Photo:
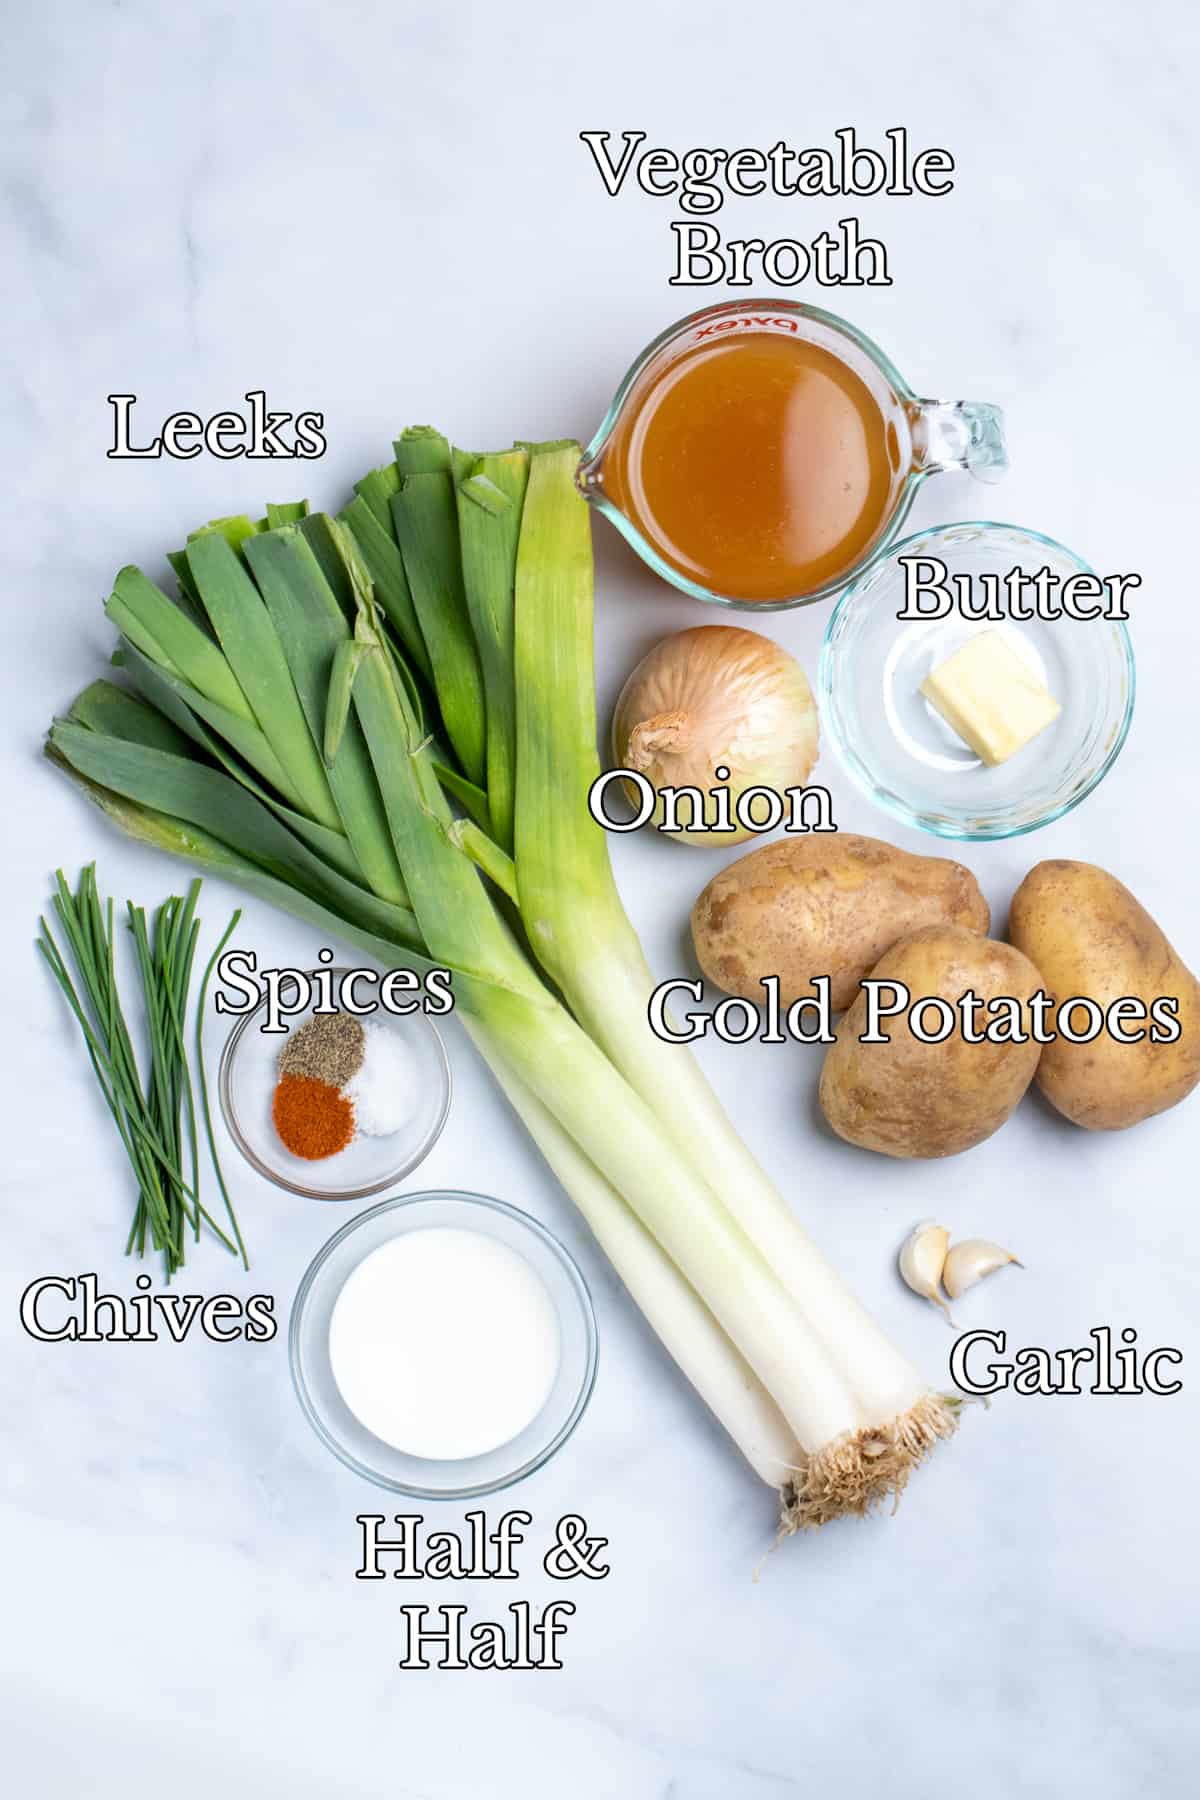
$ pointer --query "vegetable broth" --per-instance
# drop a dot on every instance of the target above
(760, 467)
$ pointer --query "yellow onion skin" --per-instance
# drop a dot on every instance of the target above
(716, 696)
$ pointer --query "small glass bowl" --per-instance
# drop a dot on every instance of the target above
(351, 1442)
(367, 1165)
(904, 756)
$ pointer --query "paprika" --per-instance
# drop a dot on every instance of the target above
(312, 1118)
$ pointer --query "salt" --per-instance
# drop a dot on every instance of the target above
(382, 1092)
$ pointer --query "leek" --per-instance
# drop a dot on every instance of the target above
(175, 642)
(451, 829)
(586, 943)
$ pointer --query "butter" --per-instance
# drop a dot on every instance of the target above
(990, 697)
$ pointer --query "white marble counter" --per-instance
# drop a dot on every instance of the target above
(383, 212)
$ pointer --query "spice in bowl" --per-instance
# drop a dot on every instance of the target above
(339, 1076)
(381, 1088)
(328, 1047)
(313, 1119)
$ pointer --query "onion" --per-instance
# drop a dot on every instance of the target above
(716, 698)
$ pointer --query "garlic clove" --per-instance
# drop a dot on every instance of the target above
(922, 1258)
(970, 1261)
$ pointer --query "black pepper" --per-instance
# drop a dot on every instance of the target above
(328, 1047)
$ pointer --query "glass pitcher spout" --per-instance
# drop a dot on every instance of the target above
(587, 475)
(958, 434)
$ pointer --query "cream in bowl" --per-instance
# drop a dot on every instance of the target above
(443, 1345)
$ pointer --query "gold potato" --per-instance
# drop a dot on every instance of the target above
(1090, 937)
(911, 1099)
(823, 906)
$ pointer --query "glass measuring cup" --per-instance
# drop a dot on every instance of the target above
(919, 437)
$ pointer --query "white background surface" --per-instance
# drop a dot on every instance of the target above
(383, 212)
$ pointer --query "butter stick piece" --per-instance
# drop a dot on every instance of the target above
(991, 697)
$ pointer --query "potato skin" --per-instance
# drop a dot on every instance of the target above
(1088, 935)
(823, 906)
(909, 1099)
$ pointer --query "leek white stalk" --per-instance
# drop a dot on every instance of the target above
(681, 1322)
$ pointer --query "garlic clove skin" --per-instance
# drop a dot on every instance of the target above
(921, 1261)
(970, 1261)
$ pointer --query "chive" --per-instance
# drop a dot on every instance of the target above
(176, 926)
(205, 1108)
(101, 1062)
(147, 1113)
(157, 1095)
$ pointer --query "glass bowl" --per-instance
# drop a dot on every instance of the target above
(367, 1165)
(369, 1456)
(904, 756)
